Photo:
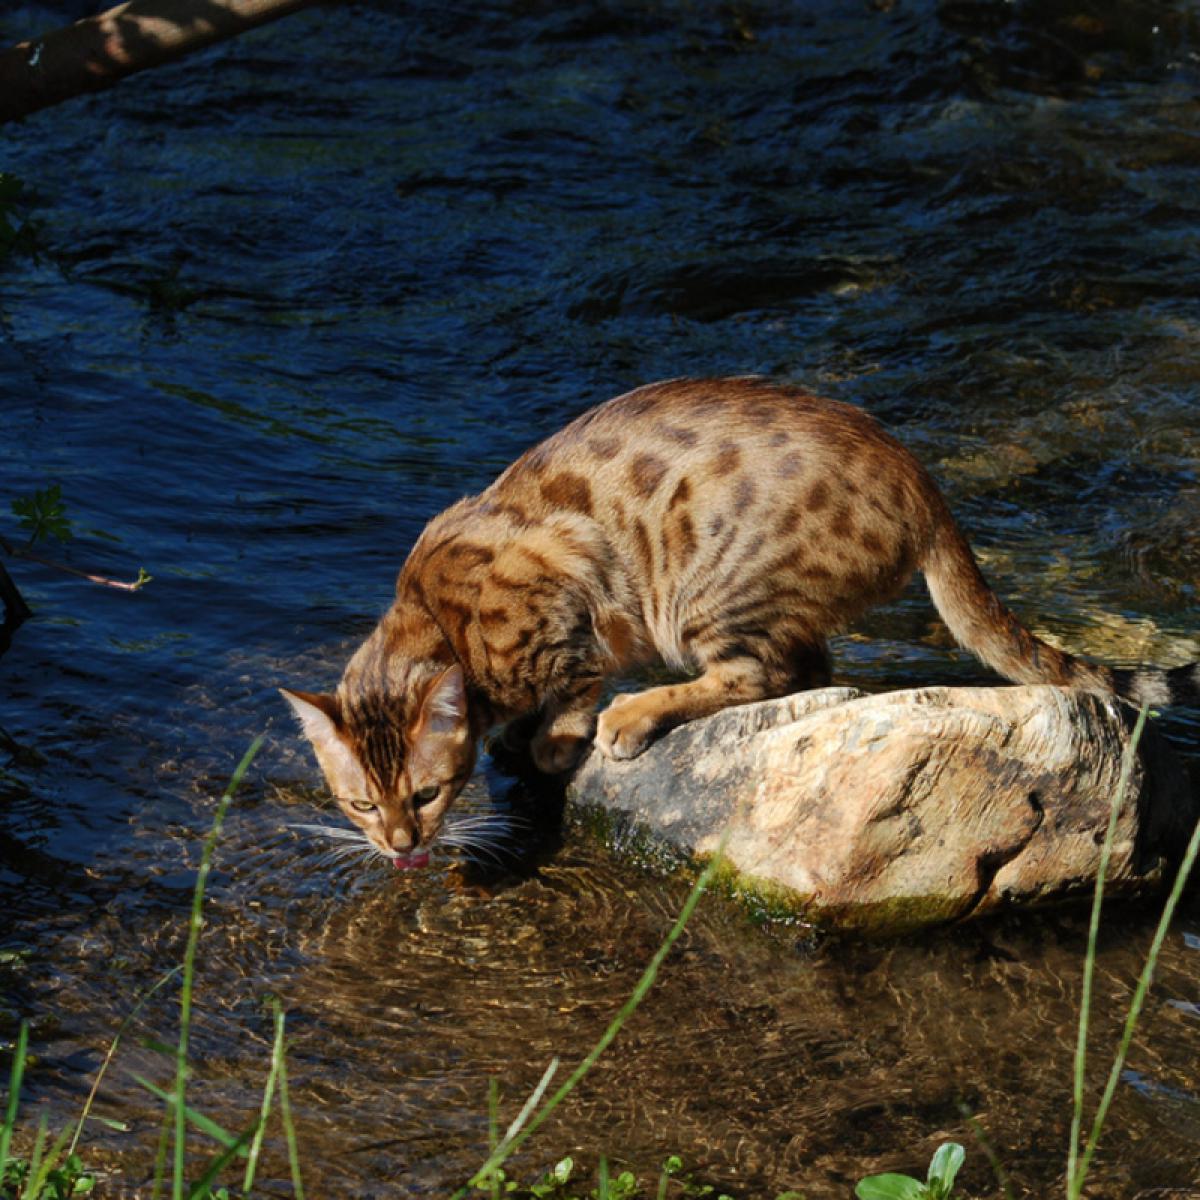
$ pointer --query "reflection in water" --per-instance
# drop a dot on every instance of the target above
(295, 323)
(800, 1065)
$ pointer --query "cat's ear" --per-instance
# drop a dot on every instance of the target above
(442, 743)
(320, 716)
(444, 708)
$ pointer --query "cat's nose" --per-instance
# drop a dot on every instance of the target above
(403, 840)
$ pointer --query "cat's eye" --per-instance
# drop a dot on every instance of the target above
(426, 794)
(362, 806)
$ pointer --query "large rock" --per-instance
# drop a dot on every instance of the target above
(888, 812)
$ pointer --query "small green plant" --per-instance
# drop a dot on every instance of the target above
(58, 1183)
(938, 1185)
(43, 513)
(48, 1173)
(562, 1182)
(555, 1180)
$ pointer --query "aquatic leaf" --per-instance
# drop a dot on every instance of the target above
(891, 1187)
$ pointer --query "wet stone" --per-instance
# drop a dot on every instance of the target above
(890, 812)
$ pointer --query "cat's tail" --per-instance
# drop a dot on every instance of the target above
(981, 623)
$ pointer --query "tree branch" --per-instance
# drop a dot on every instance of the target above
(96, 53)
(132, 585)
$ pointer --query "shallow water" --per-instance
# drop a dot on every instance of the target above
(306, 290)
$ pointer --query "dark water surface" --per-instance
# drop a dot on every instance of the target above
(305, 290)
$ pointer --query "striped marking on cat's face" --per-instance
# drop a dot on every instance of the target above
(393, 774)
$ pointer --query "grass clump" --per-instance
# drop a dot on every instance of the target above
(1079, 1157)
(563, 1182)
(54, 1171)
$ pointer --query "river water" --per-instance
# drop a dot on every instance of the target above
(301, 292)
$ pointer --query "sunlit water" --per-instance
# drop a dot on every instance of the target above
(304, 291)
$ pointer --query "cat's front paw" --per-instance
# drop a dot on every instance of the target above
(626, 727)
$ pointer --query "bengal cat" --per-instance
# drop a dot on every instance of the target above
(725, 527)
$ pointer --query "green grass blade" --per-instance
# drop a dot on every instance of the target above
(264, 1111)
(200, 1190)
(669, 1168)
(534, 1099)
(189, 966)
(14, 1093)
(205, 1124)
(160, 1157)
(112, 1049)
(112, 1123)
(41, 1173)
(35, 1159)
(289, 1130)
(508, 1146)
(1139, 997)
(1074, 1180)
(494, 1131)
(989, 1152)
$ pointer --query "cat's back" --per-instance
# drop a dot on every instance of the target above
(697, 499)
(721, 446)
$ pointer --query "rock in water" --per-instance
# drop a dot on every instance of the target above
(889, 812)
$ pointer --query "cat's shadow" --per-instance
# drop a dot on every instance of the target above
(533, 805)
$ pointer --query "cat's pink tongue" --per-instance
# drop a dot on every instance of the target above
(411, 862)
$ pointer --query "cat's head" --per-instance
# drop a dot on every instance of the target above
(394, 765)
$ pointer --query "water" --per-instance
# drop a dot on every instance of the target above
(305, 291)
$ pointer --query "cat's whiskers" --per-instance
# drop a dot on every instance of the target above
(334, 832)
(493, 836)
(347, 843)
(490, 835)
(476, 848)
(491, 822)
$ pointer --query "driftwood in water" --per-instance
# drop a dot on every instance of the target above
(95, 53)
(889, 812)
